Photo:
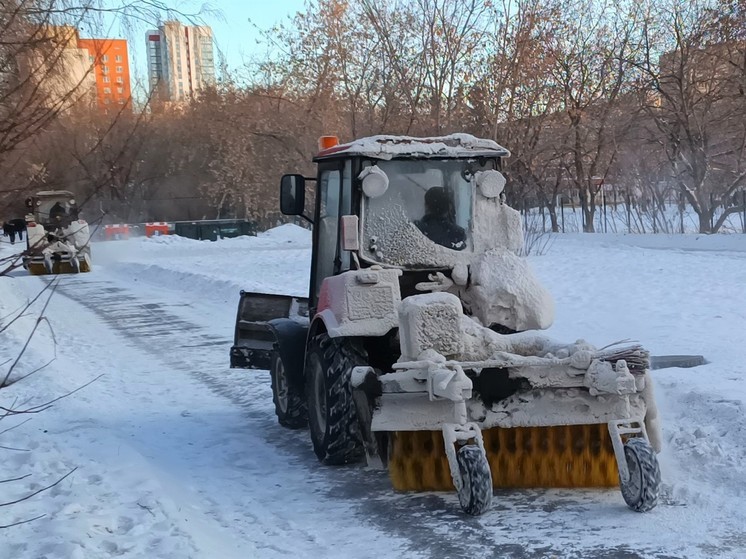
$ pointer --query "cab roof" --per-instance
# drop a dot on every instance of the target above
(54, 194)
(452, 146)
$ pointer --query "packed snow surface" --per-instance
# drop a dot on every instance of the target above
(173, 455)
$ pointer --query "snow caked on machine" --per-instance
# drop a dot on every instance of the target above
(58, 240)
(417, 347)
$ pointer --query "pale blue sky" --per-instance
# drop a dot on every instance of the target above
(236, 31)
(237, 35)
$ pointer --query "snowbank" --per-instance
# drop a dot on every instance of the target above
(289, 233)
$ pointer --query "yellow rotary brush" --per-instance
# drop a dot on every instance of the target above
(556, 456)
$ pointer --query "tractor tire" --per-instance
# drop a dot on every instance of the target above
(85, 265)
(332, 416)
(641, 490)
(475, 495)
(290, 403)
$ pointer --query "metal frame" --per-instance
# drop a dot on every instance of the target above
(460, 433)
(624, 427)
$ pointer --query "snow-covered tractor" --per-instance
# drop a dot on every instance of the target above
(58, 240)
(417, 347)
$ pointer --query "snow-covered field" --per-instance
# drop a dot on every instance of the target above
(617, 219)
(177, 456)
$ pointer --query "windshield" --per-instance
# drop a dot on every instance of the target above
(48, 209)
(424, 217)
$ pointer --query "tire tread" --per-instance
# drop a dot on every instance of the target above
(651, 476)
(475, 495)
(342, 443)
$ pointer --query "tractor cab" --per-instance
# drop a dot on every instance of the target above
(421, 215)
(52, 208)
(419, 205)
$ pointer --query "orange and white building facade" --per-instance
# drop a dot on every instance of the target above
(111, 69)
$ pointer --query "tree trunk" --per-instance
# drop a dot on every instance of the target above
(588, 208)
(553, 217)
(705, 220)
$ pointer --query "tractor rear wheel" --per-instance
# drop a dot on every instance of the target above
(290, 405)
(85, 266)
(475, 495)
(641, 489)
(332, 416)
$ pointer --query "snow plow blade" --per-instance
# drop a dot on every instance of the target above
(254, 337)
(58, 267)
(559, 456)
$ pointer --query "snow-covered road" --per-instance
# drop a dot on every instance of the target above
(178, 456)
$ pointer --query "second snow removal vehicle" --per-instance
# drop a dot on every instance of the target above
(58, 241)
(417, 347)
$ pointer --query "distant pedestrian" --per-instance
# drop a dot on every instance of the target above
(19, 225)
(9, 231)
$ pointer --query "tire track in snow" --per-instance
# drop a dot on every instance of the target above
(143, 324)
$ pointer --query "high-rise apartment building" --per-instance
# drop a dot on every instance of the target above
(111, 70)
(181, 60)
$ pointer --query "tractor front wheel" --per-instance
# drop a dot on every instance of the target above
(475, 495)
(640, 490)
(332, 416)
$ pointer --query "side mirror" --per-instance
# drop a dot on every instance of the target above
(491, 183)
(292, 194)
(29, 202)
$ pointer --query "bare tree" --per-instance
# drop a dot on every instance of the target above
(573, 87)
(591, 51)
(510, 101)
(44, 77)
(697, 101)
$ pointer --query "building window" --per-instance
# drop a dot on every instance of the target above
(119, 58)
(105, 69)
(107, 101)
(120, 90)
(106, 79)
(105, 58)
(107, 90)
(120, 79)
(120, 69)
